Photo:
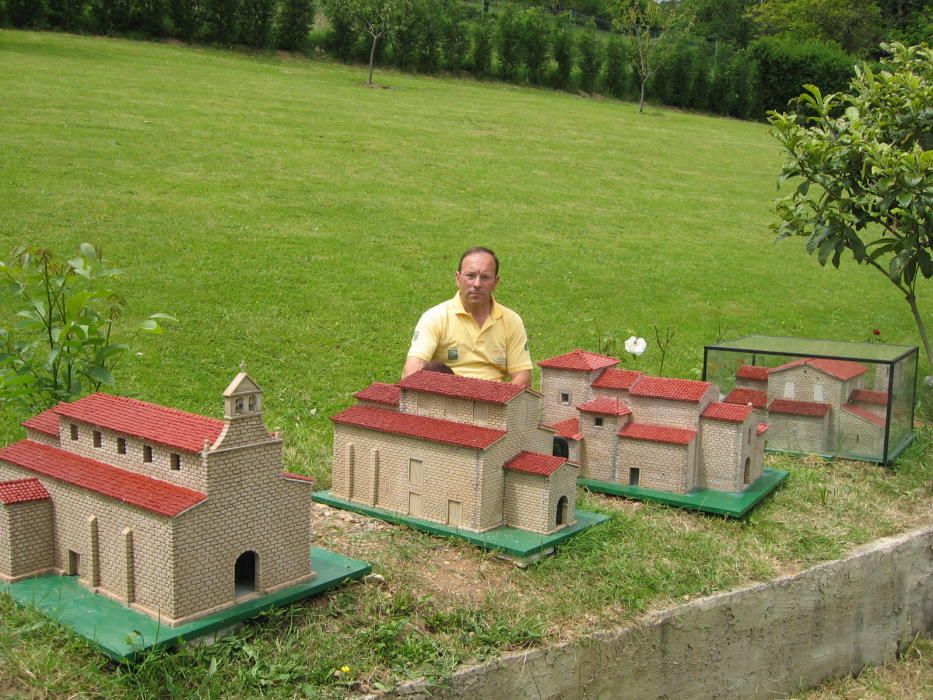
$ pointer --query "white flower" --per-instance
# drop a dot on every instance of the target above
(636, 346)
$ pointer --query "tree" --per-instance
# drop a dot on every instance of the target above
(63, 342)
(294, 23)
(649, 27)
(562, 48)
(864, 172)
(378, 18)
(855, 25)
(589, 49)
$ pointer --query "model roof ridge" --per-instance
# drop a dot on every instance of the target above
(608, 405)
(863, 414)
(380, 392)
(456, 386)
(840, 369)
(617, 378)
(535, 463)
(740, 395)
(569, 428)
(879, 398)
(729, 412)
(416, 426)
(753, 372)
(670, 388)
(657, 433)
(579, 360)
(167, 426)
(799, 408)
(132, 488)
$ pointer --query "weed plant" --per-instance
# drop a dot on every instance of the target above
(290, 218)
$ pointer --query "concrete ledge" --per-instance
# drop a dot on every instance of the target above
(762, 641)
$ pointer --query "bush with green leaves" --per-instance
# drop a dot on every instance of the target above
(682, 76)
(222, 19)
(616, 75)
(256, 18)
(589, 57)
(562, 46)
(64, 340)
(534, 37)
(482, 41)
(294, 22)
(455, 39)
(508, 43)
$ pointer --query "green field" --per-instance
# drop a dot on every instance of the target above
(294, 219)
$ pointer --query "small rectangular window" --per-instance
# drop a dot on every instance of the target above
(565, 398)
(121, 446)
(74, 432)
(176, 461)
(97, 438)
(598, 421)
(415, 471)
(147, 453)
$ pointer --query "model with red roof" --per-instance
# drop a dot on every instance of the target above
(657, 433)
(175, 514)
(457, 451)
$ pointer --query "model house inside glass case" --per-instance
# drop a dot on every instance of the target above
(831, 398)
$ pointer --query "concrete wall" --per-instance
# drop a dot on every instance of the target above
(764, 641)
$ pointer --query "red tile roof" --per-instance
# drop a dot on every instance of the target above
(879, 398)
(863, 414)
(729, 412)
(459, 387)
(569, 429)
(658, 433)
(298, 477)
(580, 361)
(129, 487)
(799, 408)
(758, 374)
(758, 399)
(535, 463)
(762, 428)
(420, 427)
(380, 392)
(148, 421)
(840, 369)
(605, 405)
(615, 378)
(668, 388)
(46, 422)
(22, 491)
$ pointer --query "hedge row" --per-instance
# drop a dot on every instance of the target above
(522, 45)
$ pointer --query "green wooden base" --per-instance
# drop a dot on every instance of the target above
(522, 545)
(735, 505)
(122, 633)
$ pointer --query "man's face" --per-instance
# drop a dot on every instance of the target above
(477, 279)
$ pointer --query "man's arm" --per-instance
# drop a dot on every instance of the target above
(412, 365)
(522, 378)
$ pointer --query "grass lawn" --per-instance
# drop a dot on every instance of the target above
(296, 220)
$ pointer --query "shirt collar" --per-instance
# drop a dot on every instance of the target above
(495, 312)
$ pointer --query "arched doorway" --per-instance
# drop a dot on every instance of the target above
(748, 468)
(561, 510)
(244, 574)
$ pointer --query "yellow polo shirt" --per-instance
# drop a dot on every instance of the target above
(450, 334)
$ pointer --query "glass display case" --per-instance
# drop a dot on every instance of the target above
(824, 397)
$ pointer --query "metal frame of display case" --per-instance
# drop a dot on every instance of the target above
(752, 345)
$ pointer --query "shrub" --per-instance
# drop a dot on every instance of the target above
(186, 17)
(590, 62)
(562, 47)
(66, 14)
(785, 65)
(455, 40)
(27, 13)
(256, 18)
(294, 22)
(222, 20)
(534, 35)
(482, 39)
(508, 43)
(618, 60)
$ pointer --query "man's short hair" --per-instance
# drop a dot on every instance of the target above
(478, 249)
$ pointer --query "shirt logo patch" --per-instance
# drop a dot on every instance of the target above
(452, 354)
(499, 360)
(415, 336)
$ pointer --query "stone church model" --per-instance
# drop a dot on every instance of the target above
(175, 514)
(658, 433)
(817, 405)
(459, 451)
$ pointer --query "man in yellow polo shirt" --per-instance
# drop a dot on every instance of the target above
(473, 334)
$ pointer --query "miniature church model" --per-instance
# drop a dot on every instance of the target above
(817, 405)
(659, 433)
(458, 451)
(176, 515)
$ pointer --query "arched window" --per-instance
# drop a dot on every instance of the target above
(561, 511)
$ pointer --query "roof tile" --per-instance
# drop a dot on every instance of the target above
(758, 399)
(580, 361)
(605, 405)
(535, 463)
(840, 369)
(148, 421)
(569, 429)
(799, 408)
(879, 398)
(729, 412)
(459, 387)
(753, 372)
(380, 392)
(615, 378)
(22, 491)
(658, 433)
(420, 427)
(669, 388)
(46, 422)
(863, 414)
(129, 487)
(762, 428)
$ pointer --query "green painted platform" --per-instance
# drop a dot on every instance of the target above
(735, 505)
(520, 544)
(122, 633)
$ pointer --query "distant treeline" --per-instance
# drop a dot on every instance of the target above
(516, 43)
